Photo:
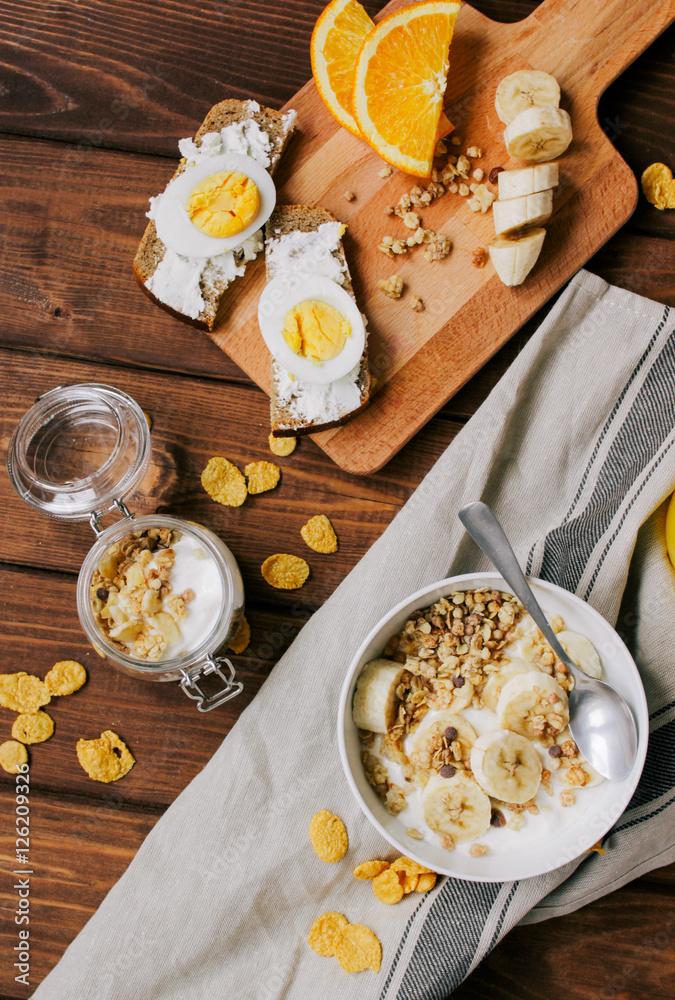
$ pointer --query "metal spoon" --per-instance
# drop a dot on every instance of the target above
(601, 722)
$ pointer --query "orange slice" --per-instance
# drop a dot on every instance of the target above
(399, 84)
(336, 40)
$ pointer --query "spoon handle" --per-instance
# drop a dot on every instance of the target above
(489, 535)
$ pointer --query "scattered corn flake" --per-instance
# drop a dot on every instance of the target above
(242, 636)
(357, 949)
(13, 756)
(262, 476)
(658, 186)
(329, 836)
(284, 571)
(369, 869)
(224, 483)
(9, 691)
(324, 932)
(148, 420)
(65, 677)
(32, 693)
(99, 760)
(33, 727)
(426, 882)
(597, 847)
(282, 446)
(319, 534)
(408, 865)
(387, 886)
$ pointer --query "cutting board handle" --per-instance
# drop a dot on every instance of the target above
(598, 39)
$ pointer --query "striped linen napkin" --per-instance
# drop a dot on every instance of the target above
(574, 451)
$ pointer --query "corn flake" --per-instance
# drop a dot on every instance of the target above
(369, 869)
(319, 534)
(329, 836)
(9, 691)
(224, 483)
(13, 756)
(35, 727)
(99, 760)
(65, 677)
(283, 446)
(409, 866)
(262, 476)
(324, 933)
(242, 637)
(658, 185)
(426, 882)
(32, 693)
(357, 949)
(387, 886)
(285, 572)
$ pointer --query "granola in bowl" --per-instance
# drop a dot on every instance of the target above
(463, 723)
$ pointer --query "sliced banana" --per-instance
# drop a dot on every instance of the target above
(524, 89)
(375, 702)
(496, 682)
(582, 651)
(527, 180)
(517, 213)
(431, 729)
(538, 134)
(506, 766)
(456, 807)
(513, 257)
(533, 704)
(461, 696)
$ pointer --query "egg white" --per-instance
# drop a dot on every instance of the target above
(174, 226)
(286, 291)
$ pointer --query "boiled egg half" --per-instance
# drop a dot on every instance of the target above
(312, 327)
(215, 205)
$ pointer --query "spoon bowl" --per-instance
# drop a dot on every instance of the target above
(601, 721)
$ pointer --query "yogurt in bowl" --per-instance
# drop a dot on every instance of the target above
(453, 730)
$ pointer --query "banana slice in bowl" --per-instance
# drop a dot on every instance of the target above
(456, 807)
(582, 651)
(496, 682)
(506, 766)
(524, 89)
(430, 736)
(533, 705)
(375, 701)
(449, 695)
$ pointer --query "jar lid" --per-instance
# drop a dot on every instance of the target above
(78, 450)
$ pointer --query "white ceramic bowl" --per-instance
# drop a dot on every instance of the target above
(597, 808)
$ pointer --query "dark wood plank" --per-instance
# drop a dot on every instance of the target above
(170, 739)
(620, 947)
(192, 421)
(79, 849)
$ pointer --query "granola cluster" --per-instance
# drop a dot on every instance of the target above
(131, 594)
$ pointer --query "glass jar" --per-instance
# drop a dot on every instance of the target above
(78, 454)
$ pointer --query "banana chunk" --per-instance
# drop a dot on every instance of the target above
(582, 651)
(448, 696)
(513, 257)
(518, 213)
(496, 682)
(538, 134)
(533, 705)
(524, 89)
(527, 180)
(436, 734)
(506, 766)
(375, 701)
(456, 807)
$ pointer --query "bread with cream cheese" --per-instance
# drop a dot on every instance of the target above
(298, 407)
(192, 288)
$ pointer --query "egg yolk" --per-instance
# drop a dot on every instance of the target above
(223, 204)
(316, 330)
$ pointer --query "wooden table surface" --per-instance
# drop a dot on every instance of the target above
(93, 97)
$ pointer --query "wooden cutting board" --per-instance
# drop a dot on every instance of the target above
(421, 359)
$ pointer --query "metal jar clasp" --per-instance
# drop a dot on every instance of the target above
(95, 517)
(224, 670)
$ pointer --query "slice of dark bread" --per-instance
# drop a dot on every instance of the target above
(279, 127)
(284, 416)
